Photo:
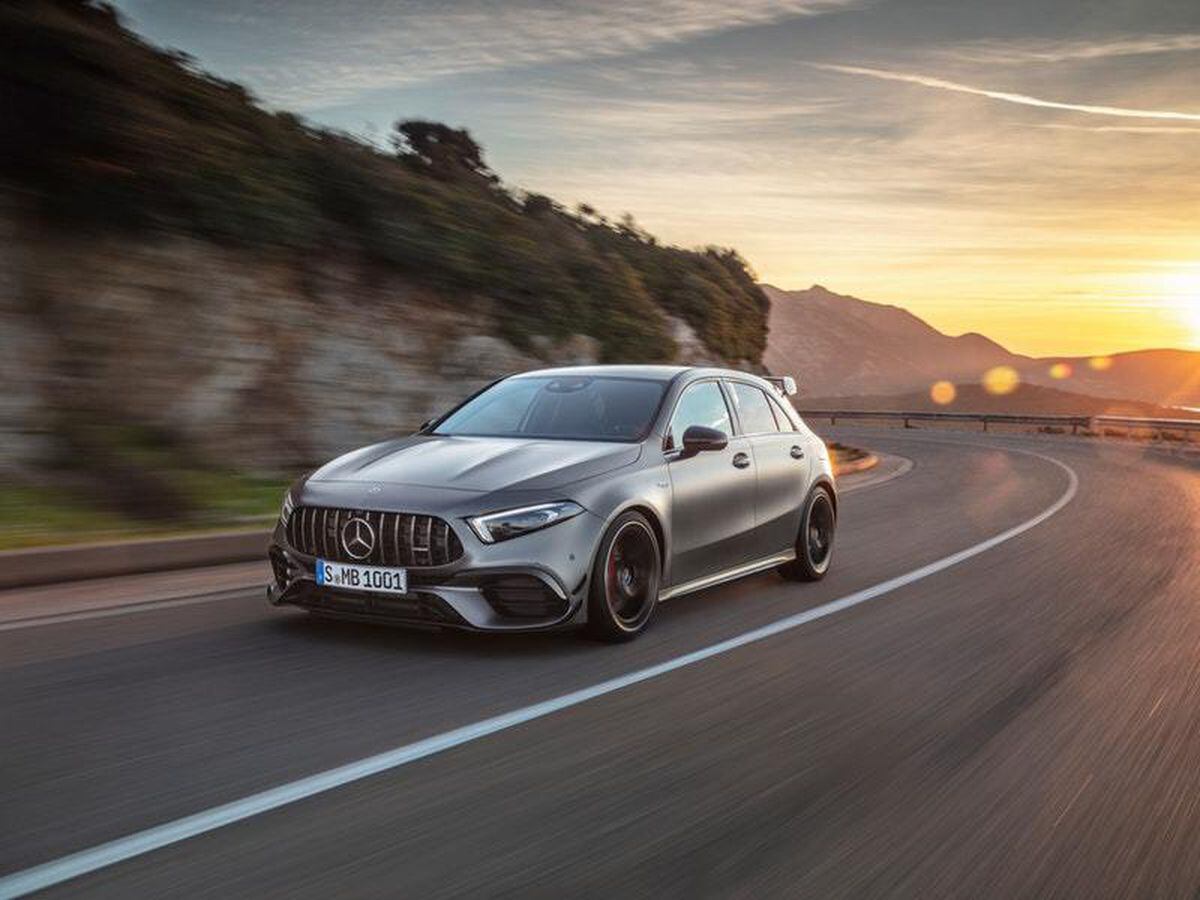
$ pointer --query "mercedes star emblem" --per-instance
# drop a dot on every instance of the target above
(358, 538)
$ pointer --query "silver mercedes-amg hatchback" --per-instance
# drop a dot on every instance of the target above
(574, 496)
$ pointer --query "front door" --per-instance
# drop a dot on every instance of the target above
(712, 493)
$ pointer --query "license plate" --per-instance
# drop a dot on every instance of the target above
(350, 577)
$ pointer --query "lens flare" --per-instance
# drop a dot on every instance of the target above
(1001, 380)
(1061, 371)
(1101, 363)
(943, 393)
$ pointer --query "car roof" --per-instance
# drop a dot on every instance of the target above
(656, 373)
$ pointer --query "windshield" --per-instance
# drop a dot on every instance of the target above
(570, 407)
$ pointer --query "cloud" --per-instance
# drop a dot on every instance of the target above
(1007, 97)
(708, 109)
(1120, 129)
(1053, 51)
(335, 52)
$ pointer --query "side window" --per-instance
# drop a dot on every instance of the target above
(786, 422)
(700, 404)
(753, 409)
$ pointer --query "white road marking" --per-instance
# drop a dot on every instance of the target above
(73, 865)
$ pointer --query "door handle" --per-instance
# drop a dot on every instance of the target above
(741, 461)
(797, 453)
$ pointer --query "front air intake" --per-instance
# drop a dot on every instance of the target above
(523, 597)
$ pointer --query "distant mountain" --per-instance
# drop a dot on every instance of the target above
(841, 346)
(1029, 399)
(1169, 377)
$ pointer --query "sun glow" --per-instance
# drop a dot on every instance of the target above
(1182, 289)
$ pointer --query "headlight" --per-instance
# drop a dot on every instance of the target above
(288, 505)
(500, 526)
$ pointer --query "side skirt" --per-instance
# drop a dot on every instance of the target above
(716, 578)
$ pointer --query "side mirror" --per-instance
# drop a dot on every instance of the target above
(699, 438)
(784, 384)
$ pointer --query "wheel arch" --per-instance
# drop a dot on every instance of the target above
(826, 482)
(660, 534)
(654, 517)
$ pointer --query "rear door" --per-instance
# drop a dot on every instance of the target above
(712, 493)
(781, 467)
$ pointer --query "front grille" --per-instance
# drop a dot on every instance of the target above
(416, 608)
(401, 539)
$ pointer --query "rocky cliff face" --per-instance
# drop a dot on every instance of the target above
(243, 361)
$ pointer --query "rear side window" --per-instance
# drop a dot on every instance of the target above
(753, 409)
(700, 404)
(786, 422)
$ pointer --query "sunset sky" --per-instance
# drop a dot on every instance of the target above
(1029, 169)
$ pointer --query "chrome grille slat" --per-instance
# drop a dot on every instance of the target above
(401, 539)
(443, 550)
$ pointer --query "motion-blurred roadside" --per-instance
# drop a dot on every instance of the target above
(201, 297)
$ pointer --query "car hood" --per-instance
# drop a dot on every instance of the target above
(478, 463)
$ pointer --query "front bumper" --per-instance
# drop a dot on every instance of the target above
(535, 582)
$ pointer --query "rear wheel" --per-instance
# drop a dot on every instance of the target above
(814, 543)
(625, 579)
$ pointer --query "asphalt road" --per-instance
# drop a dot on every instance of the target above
(1023, 723)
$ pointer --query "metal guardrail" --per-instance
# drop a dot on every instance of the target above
(1075, 423)
(1152, 424)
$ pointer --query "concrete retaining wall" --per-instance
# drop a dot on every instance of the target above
(46, 565)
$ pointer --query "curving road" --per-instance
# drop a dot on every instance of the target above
(1019, 720)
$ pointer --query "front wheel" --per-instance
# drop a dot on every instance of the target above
(814, 543)
(625, 579)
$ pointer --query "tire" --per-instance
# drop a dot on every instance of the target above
(626, 573)
(814, 543)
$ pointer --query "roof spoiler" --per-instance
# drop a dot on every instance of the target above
(785, 384)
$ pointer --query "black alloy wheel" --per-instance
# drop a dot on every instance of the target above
(625, 579)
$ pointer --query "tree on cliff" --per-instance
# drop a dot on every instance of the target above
(443, 152)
